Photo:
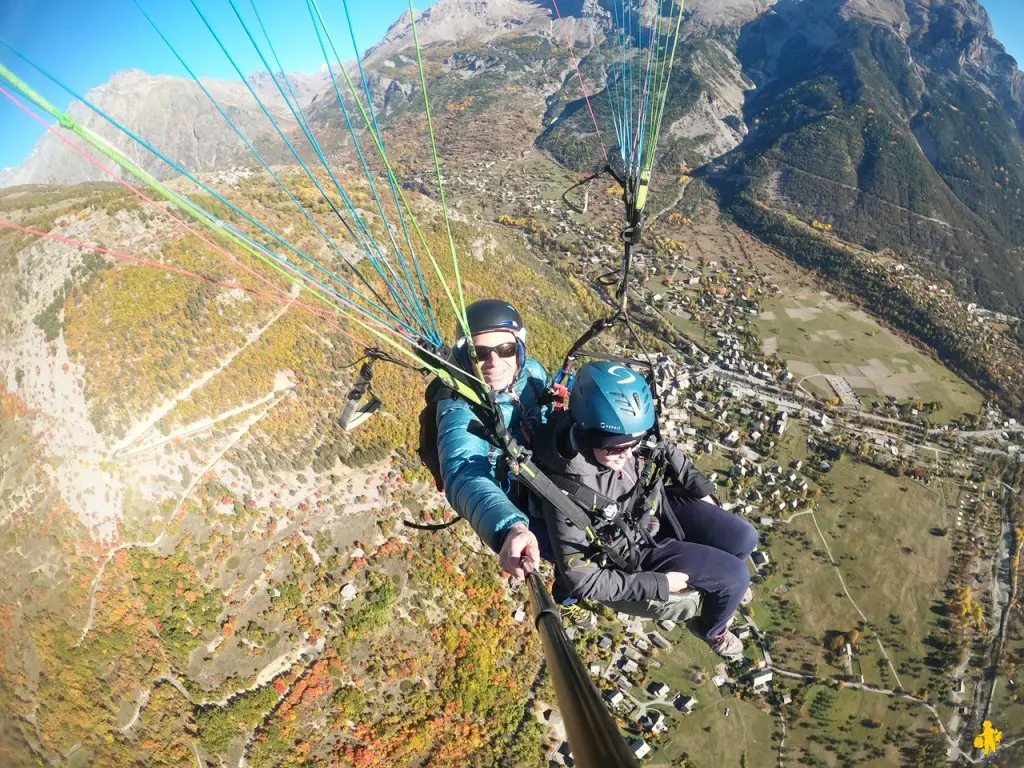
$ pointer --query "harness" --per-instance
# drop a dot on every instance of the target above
(616, 528)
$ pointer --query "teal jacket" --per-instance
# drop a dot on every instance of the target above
(469, 462)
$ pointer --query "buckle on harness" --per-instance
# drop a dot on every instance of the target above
(631, 234)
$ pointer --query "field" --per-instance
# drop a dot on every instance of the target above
(820, 335)
(707, 735)
(847, 722)
(878, 528)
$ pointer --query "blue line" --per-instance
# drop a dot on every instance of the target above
(629, 103)
(298, 158)
(205, 188)
(362, 226)
(620, 37)
(402, 296)
(380, 135)
(414, 304)
(248, 144)
(431, 323)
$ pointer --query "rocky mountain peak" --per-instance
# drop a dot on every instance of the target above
(459, 20)
(714, 14)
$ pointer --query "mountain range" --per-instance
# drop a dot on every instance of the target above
(898, 122)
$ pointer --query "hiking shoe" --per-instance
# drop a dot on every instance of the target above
(578, 615)
(727, 645)
(748, 597)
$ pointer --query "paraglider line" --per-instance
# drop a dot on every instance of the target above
(579, 76)
(431, 324)
(437, 170)
(129, 258)
(379, 143)
(106, 148)
(312, 140)
(248, 144)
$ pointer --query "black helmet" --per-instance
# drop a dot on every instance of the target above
(491, 315)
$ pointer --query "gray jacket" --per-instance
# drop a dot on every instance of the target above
(554, 453)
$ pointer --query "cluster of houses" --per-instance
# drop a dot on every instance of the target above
(647, 707)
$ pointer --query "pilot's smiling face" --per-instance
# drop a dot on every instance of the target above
(499, 372)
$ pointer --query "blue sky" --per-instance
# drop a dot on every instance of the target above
(84, 42)
(1008, 19)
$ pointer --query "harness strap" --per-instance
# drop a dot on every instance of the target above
(640, 505)
(535, 481)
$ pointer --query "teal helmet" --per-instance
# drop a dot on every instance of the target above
(611, 404)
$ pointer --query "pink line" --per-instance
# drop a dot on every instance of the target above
(579, 76)
(116, 177)
(319, 311)
(120, 255)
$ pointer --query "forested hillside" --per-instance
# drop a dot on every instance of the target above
(889, 135)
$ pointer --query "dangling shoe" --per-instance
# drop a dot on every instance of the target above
(576, 614)
(727, 645)
(748, 597)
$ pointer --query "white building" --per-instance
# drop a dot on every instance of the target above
(640, 748)
(659, 640)
(761, 680)
(685, 704)
(659, 689)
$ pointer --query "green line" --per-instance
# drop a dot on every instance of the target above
(379, 143)
(437, 167)
(668, 77)
(69, 123)
(656, 81)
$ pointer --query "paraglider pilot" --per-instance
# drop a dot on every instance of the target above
(470, 463)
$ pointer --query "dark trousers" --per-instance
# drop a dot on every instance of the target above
(713, 554)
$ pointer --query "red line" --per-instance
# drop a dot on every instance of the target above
(283, 294)
(120, 255)
(117, 177)
(175, 270)
(579, 75)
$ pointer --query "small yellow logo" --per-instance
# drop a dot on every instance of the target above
(988, 739)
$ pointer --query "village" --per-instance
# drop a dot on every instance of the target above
(732, 404)
(737, 411)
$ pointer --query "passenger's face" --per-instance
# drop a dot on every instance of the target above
(499, 372)
(614, 458)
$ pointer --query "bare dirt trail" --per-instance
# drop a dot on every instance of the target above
(853, 602)
(154, 416)
(197, 427)
(159, 539)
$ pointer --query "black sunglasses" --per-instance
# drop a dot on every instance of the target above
(508, 349)
(617, 450)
